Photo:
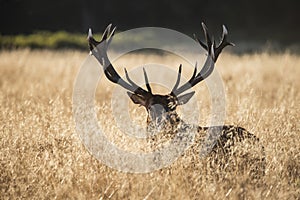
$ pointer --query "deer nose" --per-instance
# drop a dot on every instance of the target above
(156, 111)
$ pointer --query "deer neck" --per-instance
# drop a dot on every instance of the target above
(169, 122)
(173, 124)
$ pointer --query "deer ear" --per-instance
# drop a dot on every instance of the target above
(183, 99)
(137, 99)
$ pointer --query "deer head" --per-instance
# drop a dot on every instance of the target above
(160, 108)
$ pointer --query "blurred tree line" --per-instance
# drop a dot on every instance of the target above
(255, 20)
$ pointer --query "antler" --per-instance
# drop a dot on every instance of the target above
(223, 42)
(99, 50)
(213, 54)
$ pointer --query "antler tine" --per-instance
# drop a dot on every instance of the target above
(127, 77)
(207, 37)
(106, 33)
(175, 88)
(92, 42)
(147, 81)
(99, 50)
(178, 78)
(137, 89)
(112, 33)
(223, 42)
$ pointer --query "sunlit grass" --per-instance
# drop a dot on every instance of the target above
(42, 157)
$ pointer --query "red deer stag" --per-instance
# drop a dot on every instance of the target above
(162, 108)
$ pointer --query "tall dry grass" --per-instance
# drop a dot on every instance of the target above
(43, 158)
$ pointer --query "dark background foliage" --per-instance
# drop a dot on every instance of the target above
(256, 20)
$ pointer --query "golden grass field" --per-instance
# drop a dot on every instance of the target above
(42, 157)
